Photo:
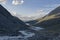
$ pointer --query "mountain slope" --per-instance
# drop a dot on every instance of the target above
(50, 20)
(9, 23)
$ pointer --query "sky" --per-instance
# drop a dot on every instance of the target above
(30, 7)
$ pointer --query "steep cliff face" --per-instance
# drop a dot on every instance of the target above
(9, 23)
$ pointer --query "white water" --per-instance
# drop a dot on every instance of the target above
(34, 28)
(10, 37)
(37, 28)
(25, 33)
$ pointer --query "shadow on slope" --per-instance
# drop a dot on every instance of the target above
(10, 24)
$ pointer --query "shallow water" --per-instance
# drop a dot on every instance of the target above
(20, 37)
(37, 28)
(25, 34)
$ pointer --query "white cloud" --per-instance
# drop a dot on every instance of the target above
(46, 10)
(40, 12)
(3, 1)
(17, 2)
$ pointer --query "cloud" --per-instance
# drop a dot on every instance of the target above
(41, 12)
(17, 2)
(3, 1)
(37, 14)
